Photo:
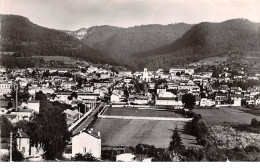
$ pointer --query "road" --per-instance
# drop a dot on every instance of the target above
(88, 119)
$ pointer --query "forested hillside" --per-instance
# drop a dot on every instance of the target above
(25, 38)
(201, 41)
(151, 46)
(123, 42)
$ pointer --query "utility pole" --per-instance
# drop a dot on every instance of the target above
(0, 144)
(79, 112)
(11, 146)
(16, 95)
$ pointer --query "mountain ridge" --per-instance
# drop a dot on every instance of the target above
(204, 40)
(152, 46)
(121, 43)
(24, 38)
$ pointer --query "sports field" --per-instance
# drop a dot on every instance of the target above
(226, 114)
(124, 132)
(124, 111)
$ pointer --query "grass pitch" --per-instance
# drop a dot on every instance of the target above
(123, 111)
(123, 132)
(226, 114)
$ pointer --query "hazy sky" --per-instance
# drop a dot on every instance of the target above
(75, 14)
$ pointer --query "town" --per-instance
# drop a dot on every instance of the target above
(96, 113)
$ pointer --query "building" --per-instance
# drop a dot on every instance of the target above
(206, 102)
(23, 143)
(146, 77)
(34, 105)
(125, 157)
(138, 99)
(236, 99)
(125, 73)
(87, 142)
(5, 88)
(169, 101)
(71, 116)
(105, 76)
(185, 71)
(20, 114)
(221, 98)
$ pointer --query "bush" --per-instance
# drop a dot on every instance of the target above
(254, 122)
(193, 154)
(202, 141)
(252, 148)
(202, 129)
(238, 149)
(86, 157)
(190, 114)
(17, 156)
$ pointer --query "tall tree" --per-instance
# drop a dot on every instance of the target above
(17, 156)
(189, 101)
(22, 95)
(74, 95)
(50, 131)
(176, 144)
(41, 97)
(6, 126)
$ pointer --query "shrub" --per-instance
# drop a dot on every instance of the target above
(86, 157)
(190, 114)
(202, 141)
(193, 154)
(238, 149)
(254, 122)
(252, 148)
(202, 129)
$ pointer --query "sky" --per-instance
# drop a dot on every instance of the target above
(76, 14)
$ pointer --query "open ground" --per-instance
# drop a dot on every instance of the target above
(130, 132)
(122, 132)
(226, 115)
(122, 111)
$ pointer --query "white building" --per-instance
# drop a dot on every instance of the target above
(33, 90)
(236, 99)
(92, 69)
(116, 96)
(23, 143)
(125, 73)
(34, 105)
(87, 142)
(146, 76)
(125, 157)
(5, 88)
(161, 101)
(186, 71)
(206, 102)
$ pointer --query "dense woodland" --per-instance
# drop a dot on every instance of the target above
(21, 36)
(123, 42)
(151, 46)
(201, 41)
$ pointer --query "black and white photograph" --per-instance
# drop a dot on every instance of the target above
(108, 81)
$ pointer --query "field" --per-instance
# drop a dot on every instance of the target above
(55, 58)
(121, 111)
(226, 114)
(250, 111)
(123, 132)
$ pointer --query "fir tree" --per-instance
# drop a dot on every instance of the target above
(176, 144)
